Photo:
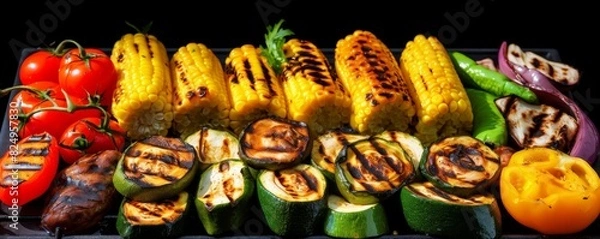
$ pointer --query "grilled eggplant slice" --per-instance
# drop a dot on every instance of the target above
(538, 125)
(371, 170)
(155, 168)
(275, 143)
(326, 148)
(431, 211)
(224, 194)
(82, 194)
(214, 146)
(461, 165)
(161, 219)
(293, 200)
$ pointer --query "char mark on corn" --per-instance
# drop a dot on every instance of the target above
(313, 92)
(142, 102)
(200, 93)
(254, 89)
(369, 71)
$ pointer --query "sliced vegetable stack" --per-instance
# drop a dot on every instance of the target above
(155, 168)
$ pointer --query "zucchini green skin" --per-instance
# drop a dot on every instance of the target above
(454, 189)
(168, 230)
(477, 76)
(272, 165)
(140, 193)
(291, 219)
(224, 218)
(368, 223)
(489, 124)
(364, 197)
(438, 218)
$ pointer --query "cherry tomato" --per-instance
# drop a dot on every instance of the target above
(27, 100)
(41, 65)
(87, 136)
(91, 74)
(53, 121)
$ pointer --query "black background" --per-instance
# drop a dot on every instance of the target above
(225, 24)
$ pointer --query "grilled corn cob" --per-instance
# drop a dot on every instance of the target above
(313, 93)
(370, 72)
(200, 96)
(443, 108)
(254, 89)
(142, 102)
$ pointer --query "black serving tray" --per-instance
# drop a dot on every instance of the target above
(255, 226)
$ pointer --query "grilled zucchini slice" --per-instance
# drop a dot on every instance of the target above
(293, 200)
(348, 220)
(275, 143)
(326, 148)
(461, 165)
(432, 211)
(224, 194)
(161, 219)
(155, 168)
(214, 146)
(371, 170)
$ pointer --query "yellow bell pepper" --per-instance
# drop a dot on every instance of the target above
(550, 191)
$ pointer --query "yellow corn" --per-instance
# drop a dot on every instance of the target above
(254, 89)
(443, 108)
(201, 97)
(370, 72)
(313, 92)
(142, 102)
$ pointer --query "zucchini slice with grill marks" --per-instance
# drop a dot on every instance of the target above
(348, 220)
(326, 148)
(461, 165)
(293, 200)
(275, 143)
(161, 219)
(213, 146)
(412, 145)
(429, 210)
(371, 170)
(155, 168)
(224, 194)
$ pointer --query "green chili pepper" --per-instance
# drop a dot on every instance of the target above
(489, 124)
(477, 76)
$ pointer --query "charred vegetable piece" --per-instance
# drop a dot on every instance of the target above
(540, 125)
(434, 212)
(489, 124)
(28, 168)
(275, 143)
(161, 219)
(412, 145)
(461, 165)
(293, 200)
(213, 146)
(371, 170)
(326, 148)
(560, 73)
(82, 194)
(224, 194)
(347, 220)
(155, 168)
